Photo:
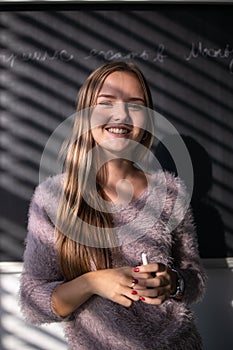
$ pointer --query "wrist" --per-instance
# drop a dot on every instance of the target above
(91, 282)
(178, 291)
(68, 296)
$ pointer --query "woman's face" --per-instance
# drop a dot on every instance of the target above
(119, 114)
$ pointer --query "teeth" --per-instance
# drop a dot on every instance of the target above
(118, 131)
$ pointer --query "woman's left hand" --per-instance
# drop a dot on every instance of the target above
(160, 284)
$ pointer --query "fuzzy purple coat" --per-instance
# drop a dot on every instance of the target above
(155, 223)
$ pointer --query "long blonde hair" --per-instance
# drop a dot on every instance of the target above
(83, 235)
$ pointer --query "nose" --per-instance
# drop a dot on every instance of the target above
(121, 113)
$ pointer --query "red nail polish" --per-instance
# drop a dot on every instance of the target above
(142, 298)
(136, 269)
(134, 292)
(134, 280)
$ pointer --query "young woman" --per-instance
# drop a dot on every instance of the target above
(85, 269)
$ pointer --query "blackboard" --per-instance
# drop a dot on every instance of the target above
(185, 52)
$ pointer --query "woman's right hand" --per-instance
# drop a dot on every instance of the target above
(114, 284)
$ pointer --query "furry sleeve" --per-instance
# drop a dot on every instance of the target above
(187, 260)
(41, 272)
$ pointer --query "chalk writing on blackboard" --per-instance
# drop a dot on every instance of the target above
(200, 50)
(159, 54)
(28, 56)
(111, 55)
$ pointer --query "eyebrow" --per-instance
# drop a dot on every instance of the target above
(130, 99)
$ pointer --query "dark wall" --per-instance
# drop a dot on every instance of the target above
(186, 53)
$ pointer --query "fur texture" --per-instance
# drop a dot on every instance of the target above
(156, 223)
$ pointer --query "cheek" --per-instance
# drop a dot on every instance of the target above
(139, 120)
(96, 134)
(99, 117)
(140, 124)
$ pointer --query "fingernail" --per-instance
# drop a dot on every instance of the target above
(136, 269)
(134, 281)
(142, 298)
(134, 292)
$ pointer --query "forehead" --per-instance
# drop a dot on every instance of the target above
(122, 84)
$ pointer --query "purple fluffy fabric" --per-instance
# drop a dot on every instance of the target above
(164, 231)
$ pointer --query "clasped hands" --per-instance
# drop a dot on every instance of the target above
(154, 283)
(151, 284)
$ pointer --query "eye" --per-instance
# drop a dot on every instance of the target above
(106, 103)
(135, 107)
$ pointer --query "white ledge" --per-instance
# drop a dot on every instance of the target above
(12, 267)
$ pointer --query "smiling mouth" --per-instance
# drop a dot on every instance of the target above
(117, 130)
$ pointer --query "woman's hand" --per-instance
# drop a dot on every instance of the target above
(158, 288)
(123, 285)
(113, 284)
(116, 284)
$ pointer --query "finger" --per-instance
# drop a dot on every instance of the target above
(125, 296)
(124, 301)
(153, 301)
(163, 273)
(135, 283)
(156, 282)
(154, 292)
(141, 275)
(139, 287)
(130, 293)
(150, 268)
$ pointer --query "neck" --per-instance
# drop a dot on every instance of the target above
(134, 181)
(119, 169)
